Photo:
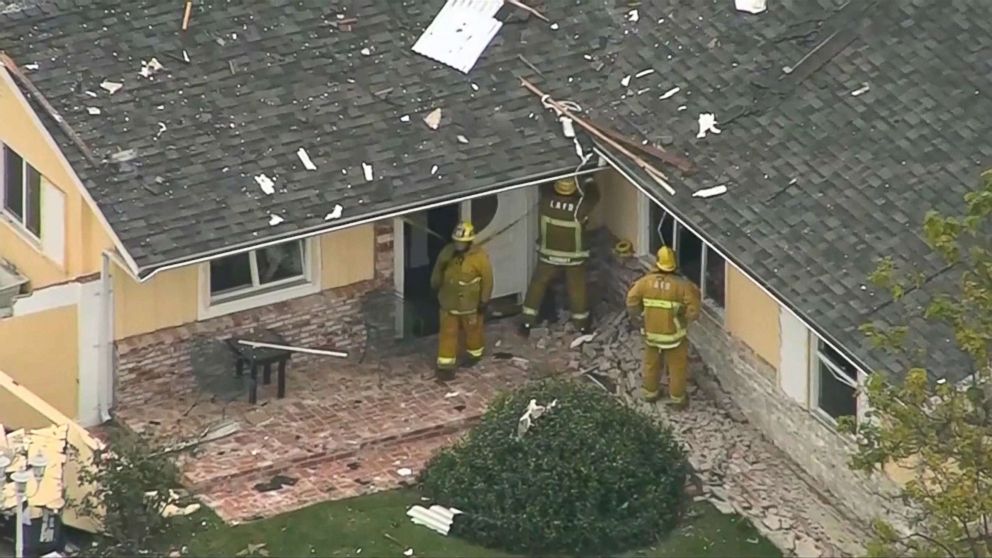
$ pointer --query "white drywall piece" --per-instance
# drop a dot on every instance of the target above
(460, 32)
(794, 358)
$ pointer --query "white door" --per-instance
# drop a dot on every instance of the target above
(503, 227)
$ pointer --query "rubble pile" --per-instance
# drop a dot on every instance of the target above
(736, 468)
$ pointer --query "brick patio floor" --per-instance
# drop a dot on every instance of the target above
(343, 429)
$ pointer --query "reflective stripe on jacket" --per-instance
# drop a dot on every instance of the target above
(562, 226)
(464, 281)
(669, 304)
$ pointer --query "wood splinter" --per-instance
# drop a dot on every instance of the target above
(189, 12)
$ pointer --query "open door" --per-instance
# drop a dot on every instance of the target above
(503, 227)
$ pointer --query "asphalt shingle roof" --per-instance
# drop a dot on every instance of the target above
(821, 182)
(264, 79)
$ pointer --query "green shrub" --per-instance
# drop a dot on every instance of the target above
(591, 476)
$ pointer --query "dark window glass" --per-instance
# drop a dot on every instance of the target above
(660, 219)
(32, 203)
(716, 270)
(13, 185)
(483, 211)
(279, 262)
(836, 397)
(690, 255)
(230, 273)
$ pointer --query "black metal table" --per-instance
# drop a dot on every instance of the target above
(261, 357)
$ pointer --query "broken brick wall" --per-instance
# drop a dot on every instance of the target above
(156, 365)
(728, 365)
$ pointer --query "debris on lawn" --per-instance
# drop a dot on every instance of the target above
(533, 412)
(266, 184)
(707, 124)
(436, 518)
(305, 159)
(254, 549)
(433, 119)
(408, 552)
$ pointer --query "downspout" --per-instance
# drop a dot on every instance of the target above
(108, 375)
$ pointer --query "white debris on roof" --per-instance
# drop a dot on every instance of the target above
(861, 90)
(305, 159)
(266, 184)
(707, 124)
(92, 94)
(93, 111)
(643, 73)
(335, 213)
(161, 129)
(682, 108)
(32, 66)
(150, 68)
(710, 192)
(670, 92)
(186, 56)
(366, 51)
(275, 220)
(633, 15)
(750, 6)
(554, 26)
(462, 139)
(460, 32)
(367, 169)
(111, 86)
(433, 119)
(434, 170)
(405, 118)
(625, 81)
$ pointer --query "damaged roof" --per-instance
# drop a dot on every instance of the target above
(841, 124)
(181, 148)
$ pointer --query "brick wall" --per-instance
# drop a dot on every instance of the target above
(159, 364)
(751, 383)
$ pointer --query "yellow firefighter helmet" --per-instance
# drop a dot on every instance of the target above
(464, 232)
(566, 186)
(666, 259)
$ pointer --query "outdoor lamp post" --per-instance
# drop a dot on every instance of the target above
(38, 463)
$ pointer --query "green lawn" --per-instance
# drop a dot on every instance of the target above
(358, 527)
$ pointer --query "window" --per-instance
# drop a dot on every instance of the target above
(262, 270)
(835, 383)
(21, 191)
(697, 261)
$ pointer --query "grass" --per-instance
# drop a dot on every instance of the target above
(356, 527)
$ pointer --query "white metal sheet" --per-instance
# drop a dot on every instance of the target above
(460, 32)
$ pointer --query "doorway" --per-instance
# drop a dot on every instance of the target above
(424, 235)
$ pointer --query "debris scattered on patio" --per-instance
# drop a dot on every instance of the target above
(519, 362)
(275, 220)
(460, 32)
(150, 68)
(533, 412)
(335, 213)
(305, 159)
(750, 6)
(670, 92)
(367, 169)
(433, 119)
(404, 471)
(578, 341)
(710, 192)
(93, 111)
(275, 483)
(111, 86)
(437, 518)
(861, 90)
(707, 124)
(633, 15)
(451, 394)
(209, 434)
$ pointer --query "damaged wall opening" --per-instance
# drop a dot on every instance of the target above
(697, 261)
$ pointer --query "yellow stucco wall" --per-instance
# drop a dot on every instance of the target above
(347, 256)
(166, 300)
(85, 236)
(40, 351)
(752, 316)
(618, 208)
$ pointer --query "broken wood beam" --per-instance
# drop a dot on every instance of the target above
(659, 177)
(291, 348)
(527, 8)
(187, 13)
(683, 164)
(15, 71)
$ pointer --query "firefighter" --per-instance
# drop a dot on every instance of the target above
(668, 303)
(463, 279)
(562, 249)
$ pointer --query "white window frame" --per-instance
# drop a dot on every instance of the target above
(20, 224)
(816, 357)
(256, 296)
(645, 239)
